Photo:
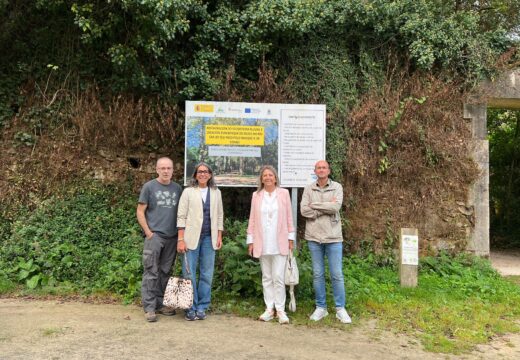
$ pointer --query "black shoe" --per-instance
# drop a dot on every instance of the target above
(190, 315)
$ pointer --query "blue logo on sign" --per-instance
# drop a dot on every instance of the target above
(248, 111)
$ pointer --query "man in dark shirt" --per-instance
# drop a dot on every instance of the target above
(157, 216)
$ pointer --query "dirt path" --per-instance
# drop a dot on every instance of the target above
(32, 329)
(507, 262)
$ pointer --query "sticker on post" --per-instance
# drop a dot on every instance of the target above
(410, 250)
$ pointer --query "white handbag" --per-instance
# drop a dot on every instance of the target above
(292, 277)
(291, 270)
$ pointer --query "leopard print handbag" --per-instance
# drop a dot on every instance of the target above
(179, 291)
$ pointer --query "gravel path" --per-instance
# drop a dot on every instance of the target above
(34, 329)
(507, 262)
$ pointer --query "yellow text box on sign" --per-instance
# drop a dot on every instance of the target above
(234, 135)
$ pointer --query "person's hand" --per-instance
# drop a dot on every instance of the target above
(333, 199)
(181, 246)
(148, 235)
(291, 245)
(219, 242)
(250, 249)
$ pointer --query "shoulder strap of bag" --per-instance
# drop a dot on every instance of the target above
(185, 263)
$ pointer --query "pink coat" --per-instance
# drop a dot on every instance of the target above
(285, 221)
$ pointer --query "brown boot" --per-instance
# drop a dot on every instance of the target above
(150, 316)
(167, 311)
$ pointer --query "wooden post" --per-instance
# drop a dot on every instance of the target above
(408, 257)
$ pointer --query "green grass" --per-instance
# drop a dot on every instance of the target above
(459, 302)
(52, 331)
(515, 279)
(59, 290)
(4, 338)
(252, 308)
(6, 285)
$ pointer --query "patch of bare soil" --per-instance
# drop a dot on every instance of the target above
(506, 262)
(71, 330)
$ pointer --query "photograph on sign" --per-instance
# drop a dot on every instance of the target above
(237, 139)
(236, 147)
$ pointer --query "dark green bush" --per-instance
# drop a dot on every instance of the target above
(89, 240)
(88, 237)
(235, 272)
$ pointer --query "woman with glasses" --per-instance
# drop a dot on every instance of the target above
(270, 237)
(200, 221)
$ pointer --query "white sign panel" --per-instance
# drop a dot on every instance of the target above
(242, 151)
(237, 139)
(302, 138)
(410, 250)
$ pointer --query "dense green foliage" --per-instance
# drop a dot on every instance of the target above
(184, 48)
(504, 160)
(310, 51)
(88, 241)
(322, 51)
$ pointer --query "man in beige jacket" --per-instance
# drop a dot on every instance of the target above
(320, 205)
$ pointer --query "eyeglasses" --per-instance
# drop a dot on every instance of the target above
(202, 172)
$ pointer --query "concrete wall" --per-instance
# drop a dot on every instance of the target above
(503, 93)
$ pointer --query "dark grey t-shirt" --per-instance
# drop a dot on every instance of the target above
(162, 202)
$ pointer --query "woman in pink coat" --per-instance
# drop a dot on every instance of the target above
(270, 237)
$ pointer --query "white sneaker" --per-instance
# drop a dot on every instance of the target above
(282, 317)
(319, 314)
(342, 315)
(267, 315)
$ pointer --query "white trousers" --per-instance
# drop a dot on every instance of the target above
(273, 281)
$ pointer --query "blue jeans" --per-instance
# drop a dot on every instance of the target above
(334, 253)
(204, 255)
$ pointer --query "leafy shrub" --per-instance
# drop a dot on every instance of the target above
(6, 285)
(235, 272)
(239, 274)
(5, 228)
(88, 237)
(471, 276)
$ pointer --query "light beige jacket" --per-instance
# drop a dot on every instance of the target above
(190, 214)
(323, 222)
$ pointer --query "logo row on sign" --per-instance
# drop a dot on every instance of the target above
(210, 108)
